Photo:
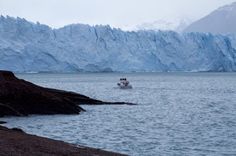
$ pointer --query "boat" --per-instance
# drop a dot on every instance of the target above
(124, 84)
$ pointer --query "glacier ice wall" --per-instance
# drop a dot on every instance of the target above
(27, 47)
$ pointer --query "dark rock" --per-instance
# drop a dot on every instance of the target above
(18, 130)
(20, 98)
(2, 122)
(8, 110)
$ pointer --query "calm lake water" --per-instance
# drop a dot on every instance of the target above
(178, 113)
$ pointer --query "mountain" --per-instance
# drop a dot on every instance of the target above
(177, 25)
(220, 21)
(29, 47)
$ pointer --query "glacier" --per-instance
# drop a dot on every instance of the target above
(34, 47)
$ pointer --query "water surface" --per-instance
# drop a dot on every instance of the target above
(178, 113)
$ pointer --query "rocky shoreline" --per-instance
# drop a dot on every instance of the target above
(15, 142)
(21, 98)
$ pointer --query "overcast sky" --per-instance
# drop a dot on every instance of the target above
(117, 13)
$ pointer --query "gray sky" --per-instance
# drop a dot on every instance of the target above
(117, 13)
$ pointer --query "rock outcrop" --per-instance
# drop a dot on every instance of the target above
(2, 122)
(19, 98)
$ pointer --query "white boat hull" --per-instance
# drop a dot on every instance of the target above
(125, 87)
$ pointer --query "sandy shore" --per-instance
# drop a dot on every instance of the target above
(14, 142)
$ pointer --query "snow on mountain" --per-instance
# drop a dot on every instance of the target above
(220, 21)
(29, 47)
(178, 25)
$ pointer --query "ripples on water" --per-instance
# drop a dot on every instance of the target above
(178, 113)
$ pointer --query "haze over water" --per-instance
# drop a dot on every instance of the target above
(177, 113)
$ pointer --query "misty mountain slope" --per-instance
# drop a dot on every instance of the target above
(27, 47)
(220, 21)
(177, 25)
